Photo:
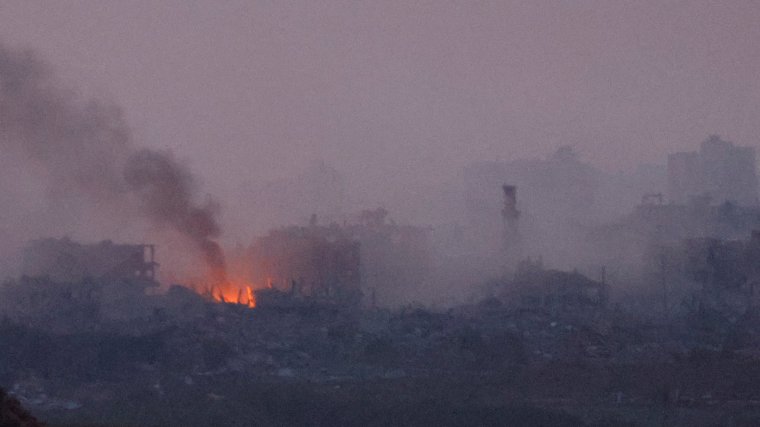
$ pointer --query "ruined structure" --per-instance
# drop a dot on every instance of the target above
(696, 219)
(720, 170)
(699, 273)
(308, 262)
(395, 259)
(371, 257)
(69, 285)
(63, 260)
(725, 266)
(535, 287)
(653, 226)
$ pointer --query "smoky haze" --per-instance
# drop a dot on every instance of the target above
(291, 109)
(85, 147)
(400, 96)
(340, 212)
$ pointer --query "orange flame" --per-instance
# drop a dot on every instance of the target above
(251, 297)
(231, 293)
(232, 283)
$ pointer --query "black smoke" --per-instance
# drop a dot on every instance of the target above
(165, 192)
(86, 147)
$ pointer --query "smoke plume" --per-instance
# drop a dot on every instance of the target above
(165, 188)
(87, 148)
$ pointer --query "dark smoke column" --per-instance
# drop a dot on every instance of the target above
(510, 214)
(86, 148)
(165, 190)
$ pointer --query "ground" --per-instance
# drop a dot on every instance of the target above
(486, 364)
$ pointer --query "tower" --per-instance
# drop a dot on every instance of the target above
(511, 217)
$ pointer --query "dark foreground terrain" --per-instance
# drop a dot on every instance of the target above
(202, 364)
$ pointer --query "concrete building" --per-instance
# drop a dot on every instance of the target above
(373, 257)
(313, 261)
(63, 260)
(719, 171)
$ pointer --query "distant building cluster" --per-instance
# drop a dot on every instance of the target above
(719, 172)
(560, 183)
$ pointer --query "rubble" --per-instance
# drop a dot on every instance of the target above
(537, 354)
(542, 338)
(534, 287)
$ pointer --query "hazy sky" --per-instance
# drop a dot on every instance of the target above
(392, 91)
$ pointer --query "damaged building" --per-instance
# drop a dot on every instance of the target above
(69, 284)
(630, 242)
(725, 269)
(538, 288)
(63, 260)
(395, 258)
(315, 262)
(371, 257)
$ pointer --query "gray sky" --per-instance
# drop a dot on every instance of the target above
(389, 92)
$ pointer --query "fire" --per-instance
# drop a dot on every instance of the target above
(232, 293)
(231, 282)
(251, 297)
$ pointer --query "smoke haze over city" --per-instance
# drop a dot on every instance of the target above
(399, 213)
(398, 97)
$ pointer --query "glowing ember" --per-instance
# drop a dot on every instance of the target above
(251, 297)
(231, 284)
(231, 293)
